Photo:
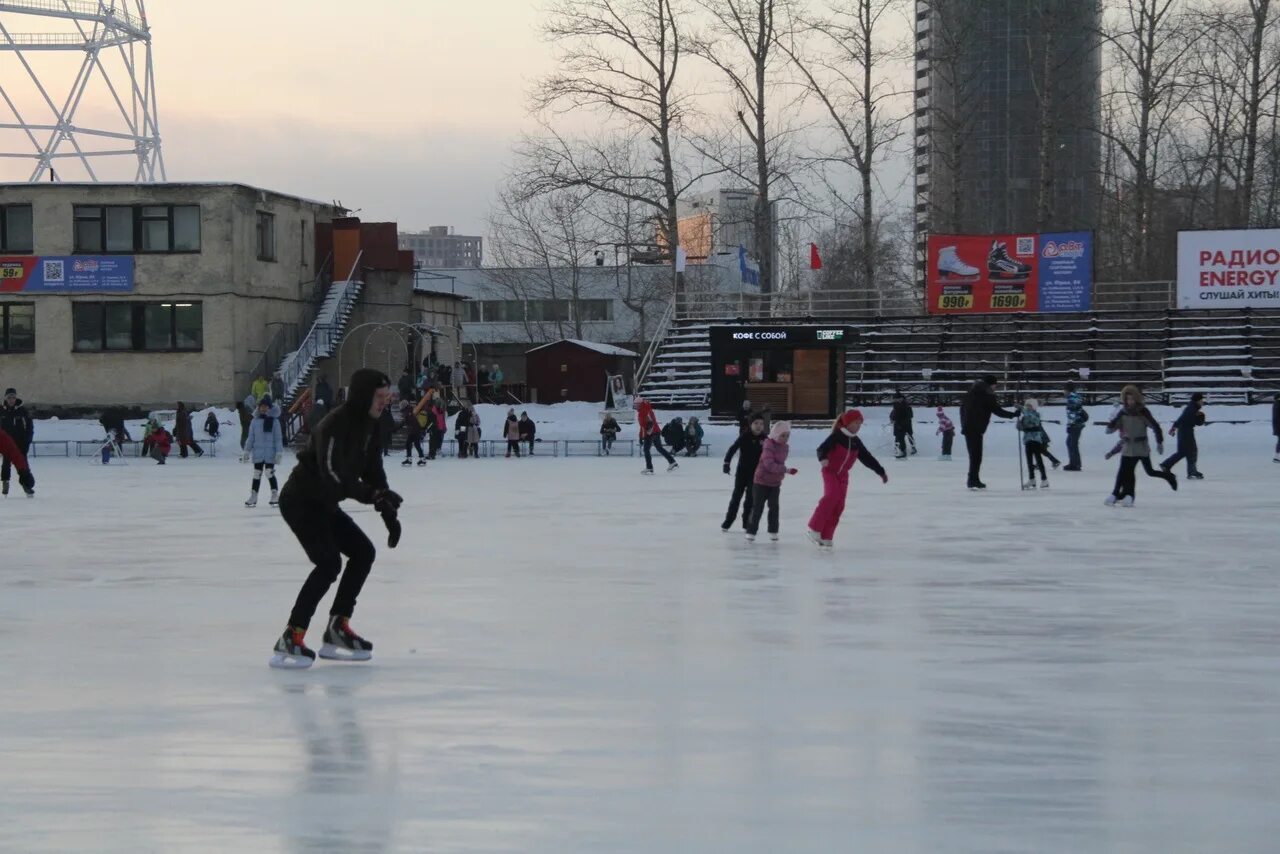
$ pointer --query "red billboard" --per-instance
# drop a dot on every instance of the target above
(978, 274)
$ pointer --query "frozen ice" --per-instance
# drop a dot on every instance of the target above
(570, 657)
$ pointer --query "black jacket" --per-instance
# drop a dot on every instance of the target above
(748, 447)
(16, 421)
(462, 422)
(527, 429)
(900, 415)
(673, 435)
(978, 406)
(324, 393)
(343, 457)
(1275, 417)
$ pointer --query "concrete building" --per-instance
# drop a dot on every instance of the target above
(439, 248)
(140, 295)
(713, 225)
(993, 81)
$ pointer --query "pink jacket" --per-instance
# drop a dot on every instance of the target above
(944, 424)
(773, 464)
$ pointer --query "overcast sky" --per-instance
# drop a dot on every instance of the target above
(404, 109)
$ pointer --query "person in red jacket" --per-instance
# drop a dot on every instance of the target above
(837, 453)
(651, 436)
(161, 443)
(13, 456)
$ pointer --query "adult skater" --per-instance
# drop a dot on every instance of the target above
(837, 454)
(978, 406)
(673, 435)
(342, 459)
(766, 486)
(16, 422)
(1077, 420)
(462, 429)
(651, 436)
(609, 430)
(693, 435)
(211, 426)
(244, 409)
(747, 447)
(322, 400)
(900, 416)
(414, 431)
(1184, 430)
(1132, 422)
(438, 425)
(511, 432)
(184, 433)
(264, 448)
(528, 431)
(12, 456)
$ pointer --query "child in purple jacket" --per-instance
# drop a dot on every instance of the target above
(767, 485)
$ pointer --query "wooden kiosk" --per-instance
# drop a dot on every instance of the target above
(798, 371)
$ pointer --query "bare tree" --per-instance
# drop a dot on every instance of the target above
(851, 70)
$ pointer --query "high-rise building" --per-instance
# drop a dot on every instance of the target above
(438, 247)
(1008, 108)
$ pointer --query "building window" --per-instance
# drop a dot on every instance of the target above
(111, 229)
(15, 229)
(549, 310)
(471, 312)
(502, 311)
(137, 326)
(595, 310)
(17, 327)
(265, 232)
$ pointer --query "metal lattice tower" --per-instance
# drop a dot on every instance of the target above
(112, 41)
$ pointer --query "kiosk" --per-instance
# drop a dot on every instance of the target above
(797, 371)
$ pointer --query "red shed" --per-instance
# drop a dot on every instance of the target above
(570, 369)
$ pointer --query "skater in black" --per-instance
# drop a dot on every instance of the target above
(528, 431)
(16, 422)
(184, 433)
(413, 436)
(1184, 430)
(900, 417)
(976, 409)
(1132, 421)
(342, 459)
(747, 446)
(609, 430)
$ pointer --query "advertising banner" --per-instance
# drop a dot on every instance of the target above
(979, 274)
(1229, 269)
(73, 274)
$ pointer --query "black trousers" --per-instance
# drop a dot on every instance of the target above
(463, 445)
(1126, 477)
(434, 441)
(761, 497)
(948, 437)
(6, 467)
(412, 442)
(655, 441)
(973, 441)
(271, 476)
(1035, 457)
(743, 495)
(1187, 450)
(513, 447)
(900, 439)
(326, 534)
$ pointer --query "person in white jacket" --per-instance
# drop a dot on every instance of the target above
(264, 446)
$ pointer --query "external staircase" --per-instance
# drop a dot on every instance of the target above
(324, 337)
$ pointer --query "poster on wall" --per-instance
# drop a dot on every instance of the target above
(616, 393)
(72, 274)
(1229, 269)
(979, 274)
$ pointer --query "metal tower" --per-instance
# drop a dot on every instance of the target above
(113, 42)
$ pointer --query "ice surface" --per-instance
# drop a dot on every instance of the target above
(570, 657)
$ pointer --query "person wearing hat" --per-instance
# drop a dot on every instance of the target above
(1184, 430)
(264, 447)
(651, 436)
(16, 422)
(342, 460)
(837, 454)
(13, 457)
(979, 405)
(1077, 420)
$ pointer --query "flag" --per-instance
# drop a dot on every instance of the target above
(749, 276)
(815, 260)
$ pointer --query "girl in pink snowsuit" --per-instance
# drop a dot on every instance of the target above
(767, 482)
(837, 453)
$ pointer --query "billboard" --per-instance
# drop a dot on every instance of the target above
(72, 274)
(1229, 269)
(978, 274)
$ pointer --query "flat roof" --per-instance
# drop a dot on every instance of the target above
(49, 185)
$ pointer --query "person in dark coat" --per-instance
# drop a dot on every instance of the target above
(387, 428)
(16, 423)
(211, 427)
(673, 435)
(413, 435)
(245, 410)
(14, 458)
(900, 416)
(693, 435)
(322, 400)
(745, 416)
(1184, 430)
(184, 433)
(405, 386)
(462, 427)
(1275, 426)
(747, 448)
(609, 430)
(979, 404)
(528, 431)
(342, 460)
(1132, 421)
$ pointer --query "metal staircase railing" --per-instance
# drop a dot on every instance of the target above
(655, 344)
(324, 333)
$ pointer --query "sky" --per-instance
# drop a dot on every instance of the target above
(403, 110)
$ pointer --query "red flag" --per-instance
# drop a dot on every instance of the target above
(815, 260)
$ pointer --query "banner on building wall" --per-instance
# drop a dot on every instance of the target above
(1229, 269)
(979, 274)
(78, 274)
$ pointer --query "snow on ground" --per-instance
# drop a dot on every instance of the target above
(570, 657)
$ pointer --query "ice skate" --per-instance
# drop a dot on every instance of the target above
(1044, 484)
(342, 644)
(773, 537)
(1001, 266)
(1195, 476)
(1110, 501)
(751, 538)
(814, 536)
(253, 500)
(726, 526)
(290, 652)
(1031, 484)
(977, 484)
(275, 498)
(1056, 465)
(1128, 501)
(1276, 458)
(646, 471)
(422, 462)
(407, 462)
(944, 458)
(951, 266)
(673, 466)
(31, 493)
(899, 456)
(913, 447)
(826, 544)
(4, 488)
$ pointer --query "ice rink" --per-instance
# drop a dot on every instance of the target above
(572, 657)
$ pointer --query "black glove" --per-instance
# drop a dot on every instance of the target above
(387, 500)
(726, 468)
(393, 528)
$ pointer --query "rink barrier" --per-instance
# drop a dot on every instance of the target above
(556, 448)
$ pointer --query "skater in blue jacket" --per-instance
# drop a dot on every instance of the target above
(1184, 430)
(1077, 419)
(264, 446)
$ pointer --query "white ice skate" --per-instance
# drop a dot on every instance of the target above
(646, 471)
(253, 500)
(1128, 501)
(673, 466)
(944, 458)
(275, 497)
(773, 537)
(1031, 484)
(950, 266)
(342, 644)
(1044, 484)
(814, 536)
(751, 538)
(826, 544)
(1110, 501)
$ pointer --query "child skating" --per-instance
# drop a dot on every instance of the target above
(1034, 440)
(747, 447)
(511, 432)
(900, 416)
(1184, 430)
(1132, 423)
(837, 454)
(767, 483)
(264, 446)
(946, 429)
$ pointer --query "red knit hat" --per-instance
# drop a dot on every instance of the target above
(848, 419)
